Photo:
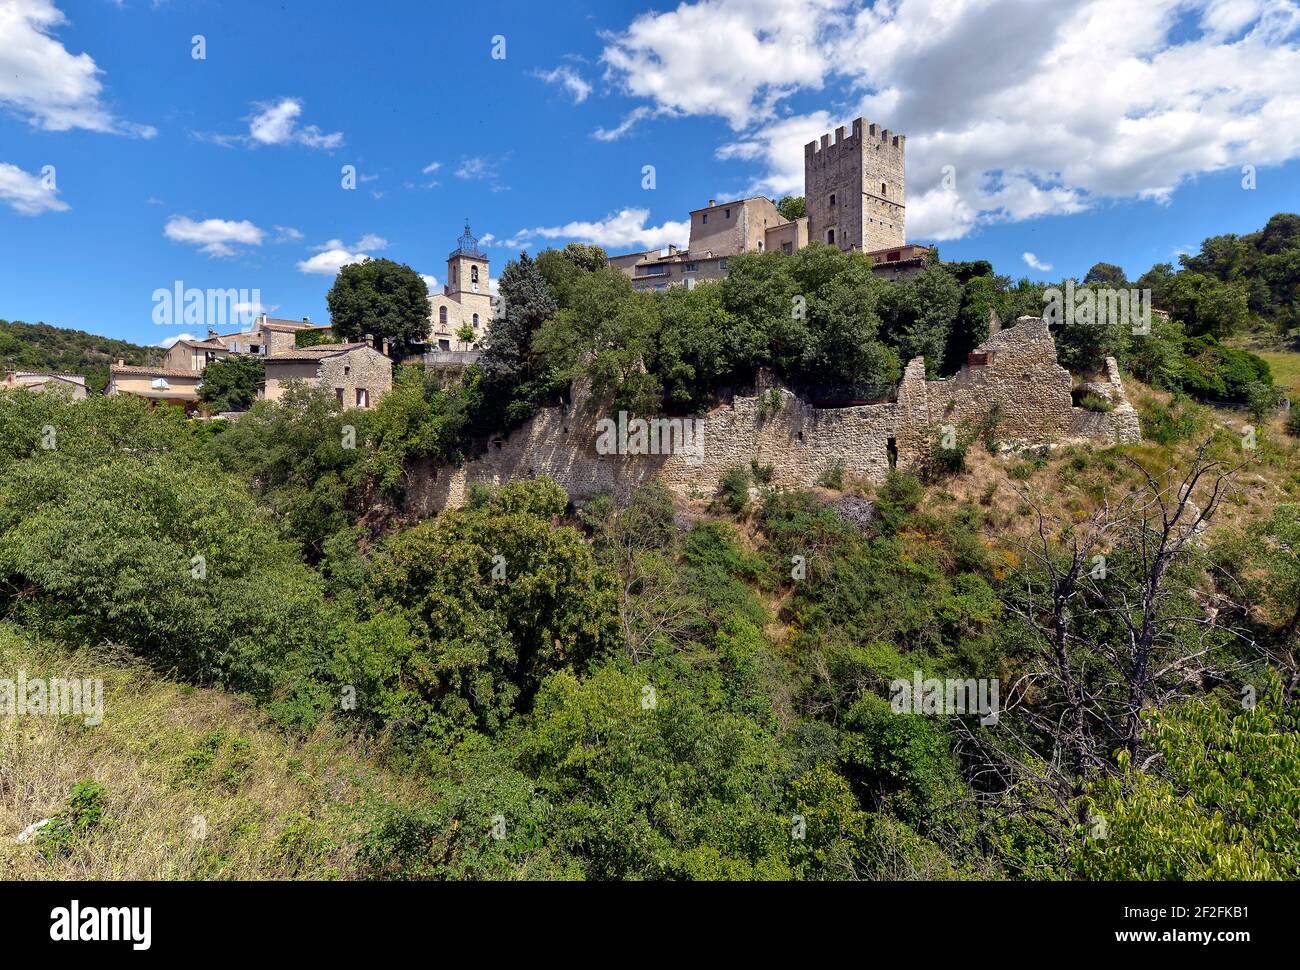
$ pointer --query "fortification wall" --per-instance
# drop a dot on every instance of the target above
(1021, 378)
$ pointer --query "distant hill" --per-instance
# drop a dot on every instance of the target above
(39, 346)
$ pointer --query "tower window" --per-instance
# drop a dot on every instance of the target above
(883, 190)
(473, 274)
(476, 321)
(830, 237)
(832, 198)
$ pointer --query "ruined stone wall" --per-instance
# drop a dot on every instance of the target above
(772, 427)
(1120, 425)
(801, 442)
(1022, 381)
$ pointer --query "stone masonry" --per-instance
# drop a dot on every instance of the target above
(1015, 370)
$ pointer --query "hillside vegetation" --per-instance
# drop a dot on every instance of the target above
(39, 346)
(669, 687)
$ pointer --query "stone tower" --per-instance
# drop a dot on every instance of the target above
(854, 188)
(465, 300)
(467, 276)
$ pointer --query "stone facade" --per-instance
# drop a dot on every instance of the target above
(357, 373)
(1017, 373)
(465, 300)
(854, 188)
(46, 382)
(855, 194)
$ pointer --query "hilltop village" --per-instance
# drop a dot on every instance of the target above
(855, 201)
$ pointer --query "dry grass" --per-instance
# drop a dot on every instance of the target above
(273, 806)
(1072, 479)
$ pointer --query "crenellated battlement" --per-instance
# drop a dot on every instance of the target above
(826, 151)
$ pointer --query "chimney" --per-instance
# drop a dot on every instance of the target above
(712, 203)
(306, 319)
(212, 334)
(121, 362)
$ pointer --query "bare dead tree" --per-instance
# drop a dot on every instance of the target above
(1104, 599)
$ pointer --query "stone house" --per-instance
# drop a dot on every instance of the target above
(358, 374)
(39, 382)
(188, 354)
(267, 335)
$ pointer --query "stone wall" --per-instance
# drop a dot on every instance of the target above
(801, 442)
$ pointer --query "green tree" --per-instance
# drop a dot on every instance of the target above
(1219, 803)
(509, 368)
(295, 454)
(230, 383)
(382, 300)
(792, 207)
(1106, 274)
(470, 613)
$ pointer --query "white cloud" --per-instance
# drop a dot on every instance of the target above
(253, 308)
(475, 168)
(734, 58)
(26, 193)
(431, 168)
(1033, 262)
(578, 88)
(332, 256)
(624, 229)
(168, 342)
(277, 124)
(1013, 109)
(216, 237)
(330, 261)
(287, 234)
(42, 81)
(635, 116)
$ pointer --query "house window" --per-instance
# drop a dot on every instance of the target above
(691, 268)
(722, 264)
(787, 248)
(728, 215)
(442, 316)
(346, 370)
(338, 395)
(760, 245)
(830, 237)
(705, 219)
(363, 398)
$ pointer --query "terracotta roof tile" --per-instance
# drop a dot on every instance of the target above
(316, 353)
(154, 371)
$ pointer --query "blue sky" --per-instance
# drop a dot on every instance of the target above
(1075, 131)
